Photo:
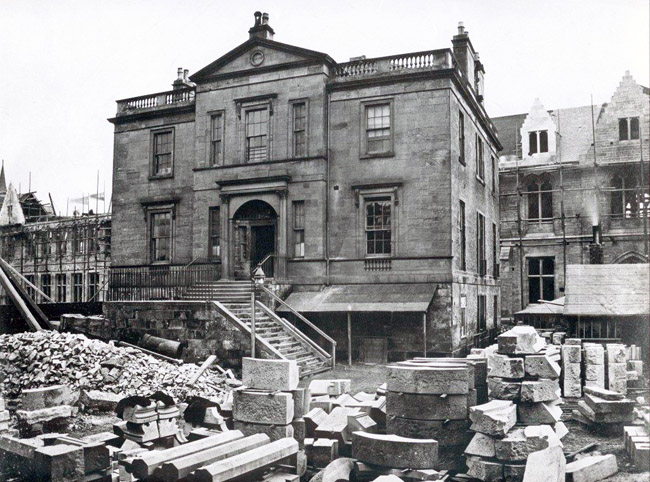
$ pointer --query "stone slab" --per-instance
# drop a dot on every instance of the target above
(335, 425)
(494, 418)
(395, 451)
(99, 400)
(481, 446)
(604, 417)
(573, 341)
(571, 354)
(594, 354)
(454, 433)
(301, 401)
(46, 397)
(324, 402)
(538, 413)
(313, 419)
(505, 366)
(485, 470)
(44, 414)
(603, 393)
(361, 422)
(324, 451)
(616, 353)
(270, 374)
(541, 366)
(429, 380)
(600, 405)
(548, 465)
(429, 406)
(274, 432)
(519, 443)
(60, 463)
(520, 340)
(591, 469)
(322, 387)
(263, 407)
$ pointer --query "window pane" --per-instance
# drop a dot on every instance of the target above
(634, 128)
(533, 205)
(543, 141)
(547, 205)
(548, 266)
(533, 266)
(548, 289)
(532, 142)
(534, 290)
(378, 128)
(256, 135)
(622, 130)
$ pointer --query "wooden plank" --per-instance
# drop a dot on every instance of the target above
(145, 465)
(248, 462)
(15, 277)
(209, 361)
(18, 301)
(181, 467)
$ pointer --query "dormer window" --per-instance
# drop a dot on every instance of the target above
(628, 128)
(538, 142)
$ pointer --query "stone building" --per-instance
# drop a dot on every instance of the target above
(574, 190)
(66, 258)
(365, 188)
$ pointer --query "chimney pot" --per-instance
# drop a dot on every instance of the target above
(179, 73)
(265, 18)
(185, 74)
(258, 18)
(461, 28)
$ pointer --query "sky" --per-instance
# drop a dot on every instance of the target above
(64, 63)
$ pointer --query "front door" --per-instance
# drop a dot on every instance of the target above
(253, 240)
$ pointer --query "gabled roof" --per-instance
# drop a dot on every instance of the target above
(607, 290)
(214, 67)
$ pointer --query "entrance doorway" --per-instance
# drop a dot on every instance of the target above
(254, 237)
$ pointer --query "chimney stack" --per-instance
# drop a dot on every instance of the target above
(468, 60)
(596, 246)
(261, 29)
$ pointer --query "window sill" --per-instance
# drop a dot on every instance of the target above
(162, 176)
(377, 155)
(160, 263)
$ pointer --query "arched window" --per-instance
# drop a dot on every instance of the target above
(623, 197)
(540, 201)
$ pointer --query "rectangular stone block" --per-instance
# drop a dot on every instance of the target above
(520, 340)
(301, 401)
(430, 380)
(594, 354)
(324, 451)
(617, 377)
(47, 397)
(602, 393)
(313, 419)
(572, 384)
(616, 353)
(395, 451)
(44, 414)
(547, 465)
(335, 424)
(482, 446)
(274, 432)
(571, 354)
(60, 463)
(573, 341)
(505, 366)
(604, 417)
(541, 366)
(590, 469)
(519, 443)
(494, 418)
(600, 405)
(428, 406)
(502, 389)
(558, 338)
(485, 470)
(263, 407)
(361, 422)
(538, 413)
(270, 374)
(322, 387)
(595, 375)
(542, 390)
(454, 433)
(324, 402)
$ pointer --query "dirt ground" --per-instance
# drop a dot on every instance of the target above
(367, 378)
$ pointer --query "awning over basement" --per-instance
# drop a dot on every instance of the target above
(398, 298)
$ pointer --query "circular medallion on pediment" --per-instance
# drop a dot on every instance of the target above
(257, 57)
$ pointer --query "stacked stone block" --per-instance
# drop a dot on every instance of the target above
(571, 360)
(604, 410)
(430, 400)
(4, 416)
(594, 360)
(266, 403)
(523, 416)
(616, 367)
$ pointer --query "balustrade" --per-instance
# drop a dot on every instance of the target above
(160, 99)
(429, 60)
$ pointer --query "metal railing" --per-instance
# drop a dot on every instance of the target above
(317, 330)
(157, 282)
(267, 264)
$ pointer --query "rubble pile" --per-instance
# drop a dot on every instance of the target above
(33, 360)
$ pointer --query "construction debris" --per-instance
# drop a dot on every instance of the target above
(592, 468)
(46, 358)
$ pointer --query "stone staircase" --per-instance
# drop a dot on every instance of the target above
(286, 340)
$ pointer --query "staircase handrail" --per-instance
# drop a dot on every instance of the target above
(243, 327)
(304, 320)
(323, 354)
(259, 265)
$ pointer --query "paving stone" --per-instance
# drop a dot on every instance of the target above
(571, 354)
(46, 397)
(395, 451)
(542, 390)
(594, 354)
(519, 443)
(270, 374)
(275, 432)
(313, 419)
(616, 353)
(454, 433)
(548, 465)
(493, 418)
(539, 413)
(481, 445)
(438, 380)
(324, 451)
(429, 407)
(502, 389)
(263, 407)
(520, 340)
(591, 469)
(505, 366)
(335, 425)
(484, 470)
(541, 366)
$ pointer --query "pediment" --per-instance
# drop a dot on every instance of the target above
(258, 54)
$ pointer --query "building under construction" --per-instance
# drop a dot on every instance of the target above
(574, 190)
